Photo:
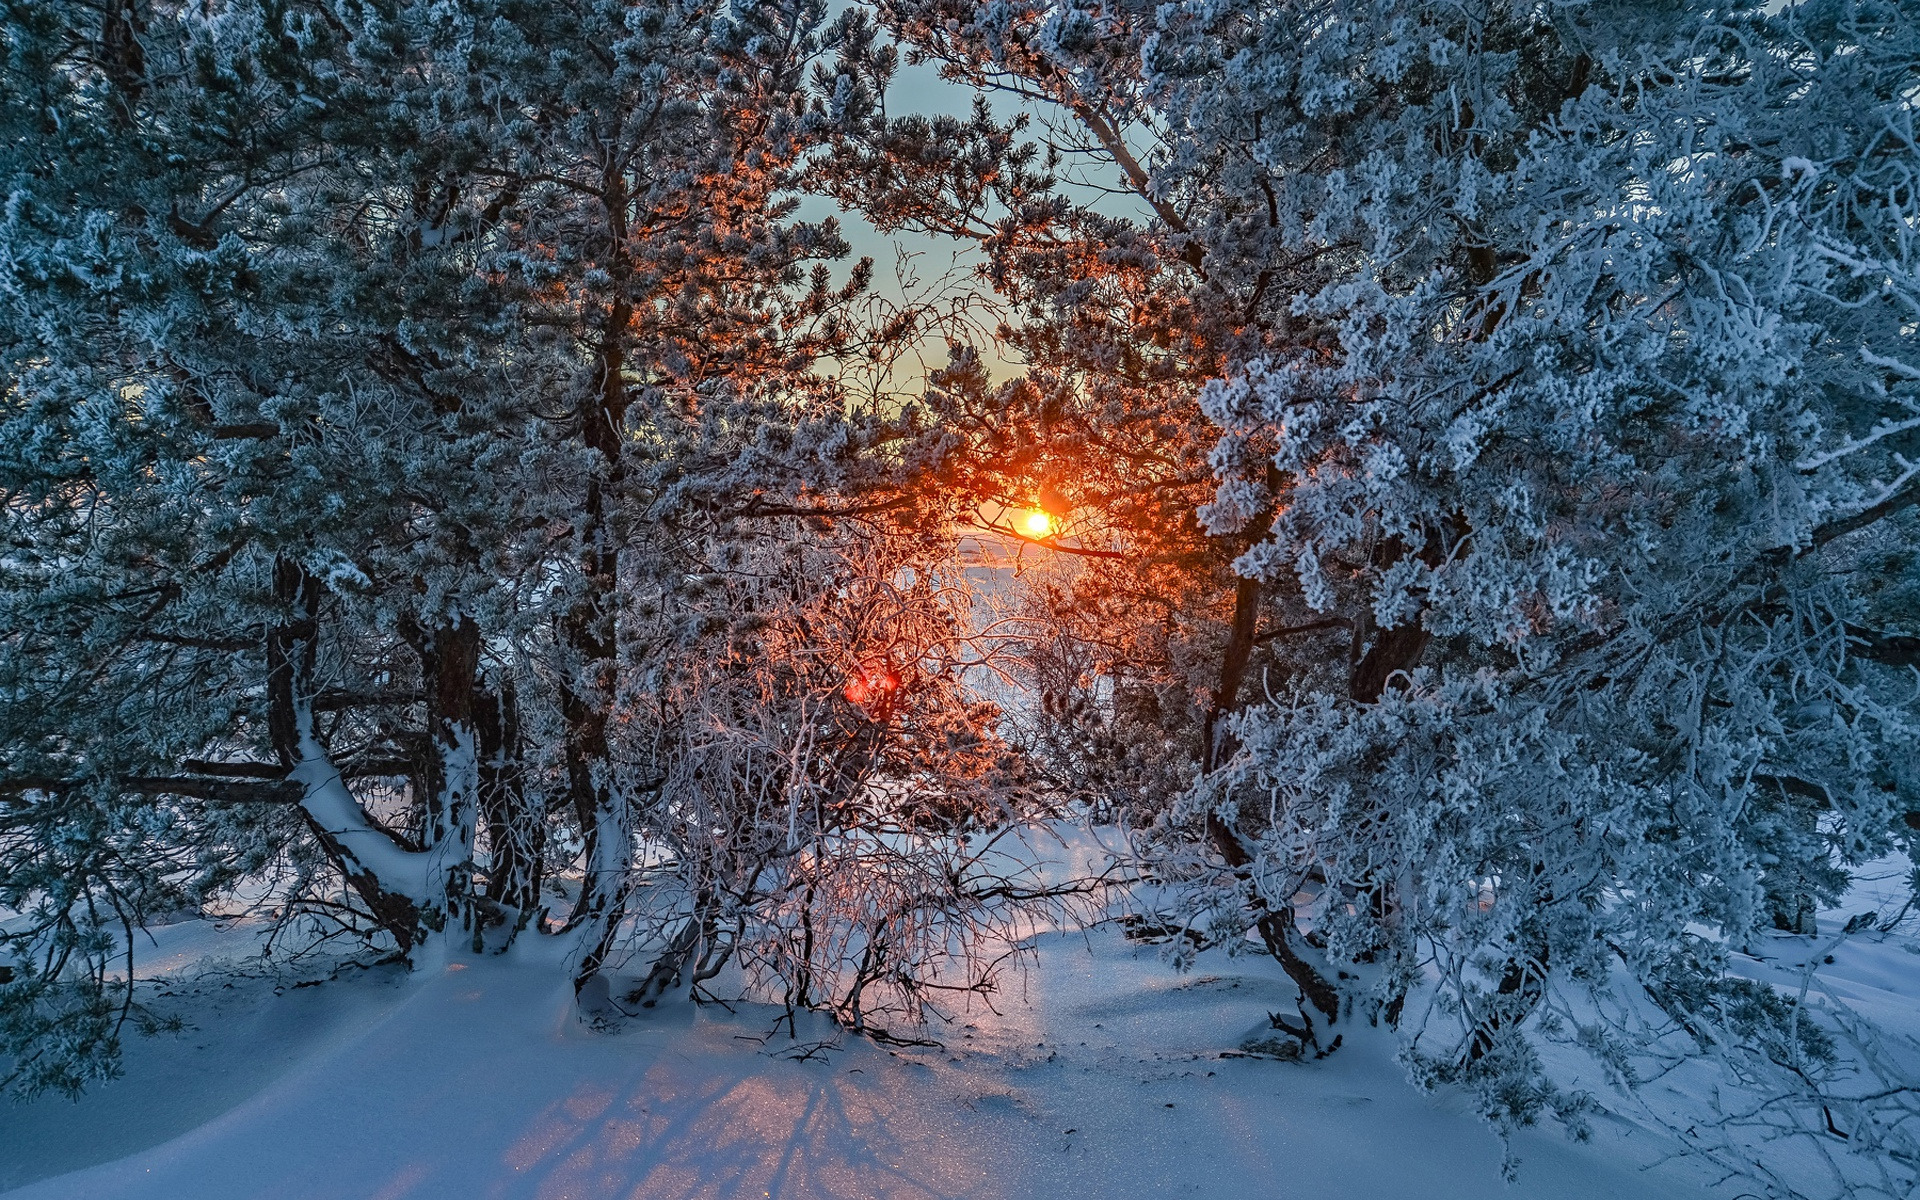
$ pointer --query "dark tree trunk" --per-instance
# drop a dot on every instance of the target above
(449, 653)
(1276, 926)
(590, 631)
(516, 827)
(1275, 923)
(1219, 745)
(1522, 985)
(122, 57)
(291, 646)
(1393, 651)
(1242, 635)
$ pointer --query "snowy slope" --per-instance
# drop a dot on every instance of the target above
(1102, 1080)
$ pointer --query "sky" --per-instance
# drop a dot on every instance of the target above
(909, 264)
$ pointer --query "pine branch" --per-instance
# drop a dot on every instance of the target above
(217, 790)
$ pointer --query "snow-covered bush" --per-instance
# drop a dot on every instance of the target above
(829, 793)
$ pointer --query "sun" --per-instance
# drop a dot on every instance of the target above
(1037, 523)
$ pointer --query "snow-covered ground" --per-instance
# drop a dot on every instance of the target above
(1102, 1078)
(1104, 1075)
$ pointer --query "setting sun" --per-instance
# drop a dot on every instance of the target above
(1037, 524)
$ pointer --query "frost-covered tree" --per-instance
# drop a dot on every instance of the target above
(1606, 446)
(404, 410)
(1565, 360)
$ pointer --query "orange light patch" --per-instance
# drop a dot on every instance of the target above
(1037, 524)
(874, 685)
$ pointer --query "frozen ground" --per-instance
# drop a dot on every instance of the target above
(1102, 1078)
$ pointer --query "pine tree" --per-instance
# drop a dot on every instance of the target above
(1563, 359)
(405, 408)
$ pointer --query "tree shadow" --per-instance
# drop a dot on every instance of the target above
(698, 1123)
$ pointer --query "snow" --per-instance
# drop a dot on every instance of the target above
(1102, 1076)
(335, 809)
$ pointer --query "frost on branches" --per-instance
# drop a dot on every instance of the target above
(1564, 367)
(1599, 452)
(1477, 446)
(426, 507)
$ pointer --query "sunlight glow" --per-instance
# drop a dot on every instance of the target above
(1037, 524)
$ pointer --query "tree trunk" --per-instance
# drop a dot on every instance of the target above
(591, 632)
(290, 652)
(1393, 651)
(1276, 925)
(1219, 745)
(449, 655)
(1523, 984)
(515, 827)
(1275, 922)
(411, 893)
(1241, 634)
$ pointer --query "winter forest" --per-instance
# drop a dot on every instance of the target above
(964, 598)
